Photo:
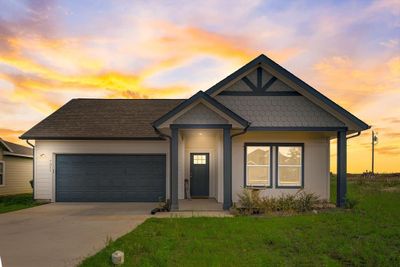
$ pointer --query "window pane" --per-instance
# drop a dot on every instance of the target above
(289, 166)
(199, 159)
(289, 176)
(258, 155)
(258, 175)
(290, 155)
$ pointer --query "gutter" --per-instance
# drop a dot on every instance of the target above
(354, 135)
(242, 132)
(33, 167)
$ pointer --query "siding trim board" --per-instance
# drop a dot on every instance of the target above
(259, 93)
(302, 129)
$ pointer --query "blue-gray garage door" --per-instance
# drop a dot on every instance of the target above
(110, 178)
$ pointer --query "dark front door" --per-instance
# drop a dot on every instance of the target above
(199, 174)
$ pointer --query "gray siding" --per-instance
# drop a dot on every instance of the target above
(279, 111)
(239, 86)
(200, 114)
(279, 86)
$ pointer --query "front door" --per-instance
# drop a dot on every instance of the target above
(199, 175)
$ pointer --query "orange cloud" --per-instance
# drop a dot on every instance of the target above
(340, 77)
(11, 135)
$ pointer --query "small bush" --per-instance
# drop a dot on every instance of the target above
(250, 202)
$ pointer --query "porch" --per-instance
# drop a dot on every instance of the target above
(201, 176)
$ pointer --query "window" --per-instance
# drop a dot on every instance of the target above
(258, 166)
(2, 172)
(199, 159)
(289, 166)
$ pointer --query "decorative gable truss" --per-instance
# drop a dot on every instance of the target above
(259, 82)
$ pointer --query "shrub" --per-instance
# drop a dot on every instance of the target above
(250, 202)
(306, 201)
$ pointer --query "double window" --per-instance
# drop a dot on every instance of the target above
(2, 173)
(285, 161)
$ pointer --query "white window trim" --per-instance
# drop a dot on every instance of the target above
(4, 173)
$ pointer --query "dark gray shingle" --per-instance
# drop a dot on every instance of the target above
(103, 118)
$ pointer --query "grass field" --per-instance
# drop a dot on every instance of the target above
(16, 202)
(367, 235)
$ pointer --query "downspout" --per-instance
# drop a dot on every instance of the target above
(163, 135)
(352, 136)
(33, 167)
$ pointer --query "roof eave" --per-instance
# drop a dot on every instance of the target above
(89, 138)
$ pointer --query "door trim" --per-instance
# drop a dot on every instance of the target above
(209, 171)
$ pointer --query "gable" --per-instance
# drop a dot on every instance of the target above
(283, 83)
(258, 82)
(200, 109)
(200, 114)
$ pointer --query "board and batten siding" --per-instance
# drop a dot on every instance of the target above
(316, 161)
(18, 173)
(46, 150)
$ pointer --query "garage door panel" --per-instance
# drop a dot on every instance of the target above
(110, 177)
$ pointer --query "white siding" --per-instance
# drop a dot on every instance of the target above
(316, 161)
(45, 152)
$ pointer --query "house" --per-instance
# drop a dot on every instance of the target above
(16, 163)
(260, 127)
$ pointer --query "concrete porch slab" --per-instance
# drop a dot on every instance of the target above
(209, 204)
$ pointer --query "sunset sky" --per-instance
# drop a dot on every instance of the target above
(52, 51)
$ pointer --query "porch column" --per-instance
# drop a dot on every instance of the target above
(341, 169)
(227, 168)
(174, 169)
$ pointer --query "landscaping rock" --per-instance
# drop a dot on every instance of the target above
(117, 257)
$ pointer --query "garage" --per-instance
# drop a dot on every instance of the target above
(110, 177)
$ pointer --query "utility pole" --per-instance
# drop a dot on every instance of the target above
(374, 142)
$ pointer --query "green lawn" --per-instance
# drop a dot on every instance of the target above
(16, 202)
(368, 235)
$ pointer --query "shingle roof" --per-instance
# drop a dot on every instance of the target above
(15, 149)
(103, 119)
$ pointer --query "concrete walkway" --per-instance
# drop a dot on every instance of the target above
(64, 234)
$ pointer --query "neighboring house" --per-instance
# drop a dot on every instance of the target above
(261, 127)
(16, 163)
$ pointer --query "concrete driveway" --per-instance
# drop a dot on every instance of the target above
(64, 234)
